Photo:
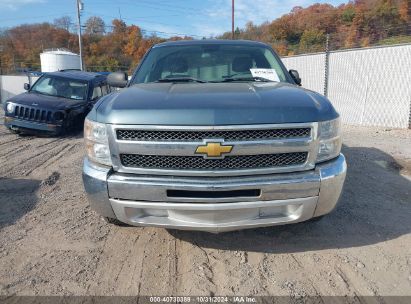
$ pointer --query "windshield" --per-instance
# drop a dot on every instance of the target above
(210, 63)
(61, 87)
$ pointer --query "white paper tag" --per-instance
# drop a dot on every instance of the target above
(269, 74)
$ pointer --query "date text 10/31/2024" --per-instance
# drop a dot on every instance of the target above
(203, 299)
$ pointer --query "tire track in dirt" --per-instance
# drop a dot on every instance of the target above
(355, 282)
(58, 140)
(194, 272)
(54, 157)
(10, 141)
(61, 154)
(132, 271)
(15, 160)
(6, 152)
(6, 133)
(40, 151)
(172, 264)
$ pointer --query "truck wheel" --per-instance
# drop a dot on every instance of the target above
(113, 221)
(316, 219)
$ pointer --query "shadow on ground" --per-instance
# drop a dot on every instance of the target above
(17, 197)
(375, 206)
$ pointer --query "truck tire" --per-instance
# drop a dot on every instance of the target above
(113, 221)
(316, 219)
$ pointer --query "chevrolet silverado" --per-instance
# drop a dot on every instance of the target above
(212, 135)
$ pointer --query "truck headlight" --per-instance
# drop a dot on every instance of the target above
(96, 138)
(329, 135)
(10, 107)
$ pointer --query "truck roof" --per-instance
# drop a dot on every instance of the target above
(211, 41)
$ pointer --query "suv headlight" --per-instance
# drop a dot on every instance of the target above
(96, 138)
(329, 135)
(10, 107)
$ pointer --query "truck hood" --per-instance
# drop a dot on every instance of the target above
(44, 101)
(213, 104)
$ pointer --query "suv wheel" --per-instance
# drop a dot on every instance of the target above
(14, 131)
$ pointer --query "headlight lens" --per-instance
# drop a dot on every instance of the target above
(10, 107)
(329, 135)
(95, 135)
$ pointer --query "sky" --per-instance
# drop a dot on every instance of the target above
(197, 18)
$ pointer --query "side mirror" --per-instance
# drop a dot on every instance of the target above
(296, 77)
(117, 79)
(27, 86)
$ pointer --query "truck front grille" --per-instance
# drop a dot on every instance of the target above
(227, 135)
(199, 163)
(33, 114)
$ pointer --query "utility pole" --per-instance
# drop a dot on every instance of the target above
(232, 19)
(119, 13)
(80, 7)
(1, 55)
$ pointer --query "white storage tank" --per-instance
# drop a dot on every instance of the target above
(53, 60)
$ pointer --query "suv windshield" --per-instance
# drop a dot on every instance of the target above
(61, 87)
(210, 63)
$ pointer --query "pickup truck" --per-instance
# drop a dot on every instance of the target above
(212, 135)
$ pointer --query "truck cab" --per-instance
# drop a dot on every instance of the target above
(212, 135)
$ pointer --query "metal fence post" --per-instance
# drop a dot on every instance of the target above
(327, 62)
(409, 120)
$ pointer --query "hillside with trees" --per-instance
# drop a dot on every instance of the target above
(358, 23)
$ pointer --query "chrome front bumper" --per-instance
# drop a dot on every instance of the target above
(284, 198)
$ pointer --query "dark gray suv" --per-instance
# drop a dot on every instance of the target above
(56, 103)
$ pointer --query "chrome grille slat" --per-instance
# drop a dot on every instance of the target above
(227, 135)
(199, 163)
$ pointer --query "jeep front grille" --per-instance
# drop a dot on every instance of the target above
(227, 135)
(199, 163)
(33, 114)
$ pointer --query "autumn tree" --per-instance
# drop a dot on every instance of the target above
(64, 23)
(95, 26)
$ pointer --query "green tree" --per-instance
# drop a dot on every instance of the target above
(312, 40)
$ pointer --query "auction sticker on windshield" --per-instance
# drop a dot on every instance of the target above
(269, 74)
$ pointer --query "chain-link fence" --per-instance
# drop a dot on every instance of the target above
(368, 86)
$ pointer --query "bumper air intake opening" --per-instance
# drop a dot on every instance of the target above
(214, 194)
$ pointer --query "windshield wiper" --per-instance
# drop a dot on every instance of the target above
(251, 78)
(180, 79)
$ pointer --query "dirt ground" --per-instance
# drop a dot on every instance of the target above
(51, 243)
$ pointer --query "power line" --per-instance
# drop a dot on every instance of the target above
(138, 17)
(161, 32)
(142, 20)
(163, 7)
(148, 30)
(37, 17)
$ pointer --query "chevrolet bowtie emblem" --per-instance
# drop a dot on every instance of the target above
(213, 149)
